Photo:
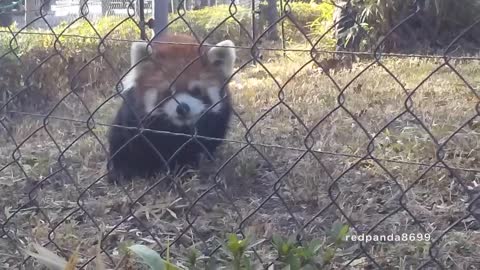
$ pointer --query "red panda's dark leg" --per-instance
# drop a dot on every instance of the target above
(214, 125)
(127, 151)
(119, 155)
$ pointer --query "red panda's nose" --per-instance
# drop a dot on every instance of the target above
(183, 109)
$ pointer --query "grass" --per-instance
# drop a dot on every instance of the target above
(64, 161)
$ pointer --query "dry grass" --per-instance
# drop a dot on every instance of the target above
(63, 192)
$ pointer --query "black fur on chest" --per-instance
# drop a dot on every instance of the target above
(133, 153)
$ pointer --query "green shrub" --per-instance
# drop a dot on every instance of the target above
(313, 18)
(307, 13)
(203, 21)
(216, 23)
(44, 81)
(106, 41)
(317, 18)
(440, 22)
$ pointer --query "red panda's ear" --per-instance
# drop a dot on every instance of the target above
(223, 56)
(139, 54)
(139, 51)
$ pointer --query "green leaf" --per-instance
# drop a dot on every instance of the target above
(328, 255)
(277, 241)
(315, 246)
(233, 244)
(150, 257)
(193, 256)
(294, 262)
(285, 249)
(342, 234)
(47, 258)
(338, 233)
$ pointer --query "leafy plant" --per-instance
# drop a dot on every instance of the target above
(314, 20)
(237, 248)
(62, 61)
(319, 26)
(438, 22)
(216, 23)
(152, 258)
(235, 21)
(193, 257)
(314, 254)
(291, 254)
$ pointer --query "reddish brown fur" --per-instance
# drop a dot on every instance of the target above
(168, 60)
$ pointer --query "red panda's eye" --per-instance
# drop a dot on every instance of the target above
(196, 91)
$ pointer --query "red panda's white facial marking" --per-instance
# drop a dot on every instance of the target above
(209, 90)
(184, 107)
(214, 95)
(194, 90)
(183, 110)
(150, 100)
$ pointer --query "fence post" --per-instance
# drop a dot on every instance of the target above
(140, 8)
(284, 44)
(80, 4)
(254, 32)
(160, 15)
(32, 10)
(105, 7)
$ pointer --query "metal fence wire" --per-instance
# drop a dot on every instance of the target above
(388, 144)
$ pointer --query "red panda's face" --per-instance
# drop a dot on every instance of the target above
(180, 81)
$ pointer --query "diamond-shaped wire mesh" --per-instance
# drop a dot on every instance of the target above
(387, 144)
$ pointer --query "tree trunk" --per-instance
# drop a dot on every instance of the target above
(270, 12)
(82, 7)
(187, 4)
(31, 10)
(137, 7)
(105, 8)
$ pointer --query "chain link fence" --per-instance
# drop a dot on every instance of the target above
(387, 143)
(67, 11)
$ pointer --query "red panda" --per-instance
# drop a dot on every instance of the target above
(171, 99)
